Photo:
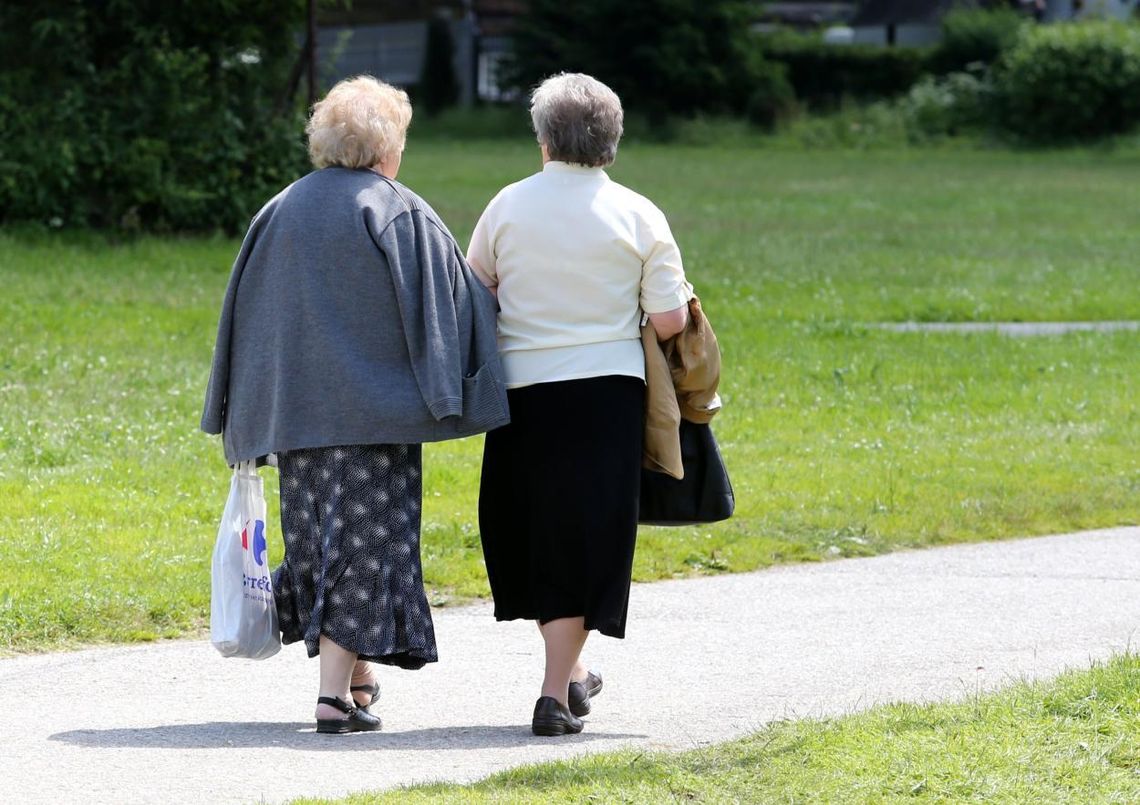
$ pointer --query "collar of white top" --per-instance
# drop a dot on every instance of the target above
(554, 166)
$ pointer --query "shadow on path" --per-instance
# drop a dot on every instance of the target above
(301, 735)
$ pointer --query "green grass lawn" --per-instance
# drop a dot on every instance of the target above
(1075, 739)
(842, 440)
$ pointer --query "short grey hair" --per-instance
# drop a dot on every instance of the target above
(359, 123)
(577, 118)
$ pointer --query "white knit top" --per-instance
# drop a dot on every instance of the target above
(575, 258)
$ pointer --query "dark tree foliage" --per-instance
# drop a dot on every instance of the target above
(976, 37)
(146, 113)
(824, 76)
(438, 88)
(662, 57)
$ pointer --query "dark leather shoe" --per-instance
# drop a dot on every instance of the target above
(358, 720)
(580, 693)
(552, 718)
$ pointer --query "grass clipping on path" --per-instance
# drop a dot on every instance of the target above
(1073, 739)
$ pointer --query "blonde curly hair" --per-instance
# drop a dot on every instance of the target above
(361, 122)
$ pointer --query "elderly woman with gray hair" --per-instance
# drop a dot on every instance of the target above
(352, 331)
(575, 259)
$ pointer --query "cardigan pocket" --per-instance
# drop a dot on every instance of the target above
(485, 398)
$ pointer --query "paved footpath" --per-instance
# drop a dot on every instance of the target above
(705, 660)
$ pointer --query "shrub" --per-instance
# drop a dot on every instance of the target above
(661, 58)
(973, 37)
(772, 98)
(947, 106)
(875, 125)
(1070, 81)
(152, 116)
(824, 76)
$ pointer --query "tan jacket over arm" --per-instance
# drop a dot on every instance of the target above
(681, 377)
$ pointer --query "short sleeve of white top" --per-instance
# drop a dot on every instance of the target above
(576, 258)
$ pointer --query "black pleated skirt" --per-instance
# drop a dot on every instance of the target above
(350, 517)
(558, 501)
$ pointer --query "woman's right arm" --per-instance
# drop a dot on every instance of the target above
(481, 253)
(665, 293)
(670, 323)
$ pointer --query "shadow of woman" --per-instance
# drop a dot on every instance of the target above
(302, 736)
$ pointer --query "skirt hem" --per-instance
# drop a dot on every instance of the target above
(410, 659)
(609, 628)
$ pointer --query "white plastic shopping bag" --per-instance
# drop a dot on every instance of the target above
(243, 616)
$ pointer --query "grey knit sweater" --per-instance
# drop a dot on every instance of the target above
(351, 317)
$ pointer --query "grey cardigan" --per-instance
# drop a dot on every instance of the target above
(351, 317)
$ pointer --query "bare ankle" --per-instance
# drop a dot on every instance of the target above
(362, 673)
(328, 711)
(553, 693)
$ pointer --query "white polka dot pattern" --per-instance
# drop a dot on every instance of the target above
(351, 520)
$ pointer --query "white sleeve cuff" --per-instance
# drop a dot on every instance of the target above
(663, 304)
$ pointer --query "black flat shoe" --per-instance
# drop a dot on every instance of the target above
(580, 693)
(358, 720)
(373, 692)
(551, 718)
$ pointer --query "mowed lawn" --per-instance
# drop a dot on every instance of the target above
(1074, 739)
(842, 439)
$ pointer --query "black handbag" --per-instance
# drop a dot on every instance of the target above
(704, 495)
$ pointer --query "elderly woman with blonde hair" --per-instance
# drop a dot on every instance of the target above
(351, 332)
(575, 259)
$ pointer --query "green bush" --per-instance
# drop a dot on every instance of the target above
(662, 58)
(824, 76)
(145, 114)
(975, 37)
(878, 125)
(1070, 82)
(947, 106)
(772, 98)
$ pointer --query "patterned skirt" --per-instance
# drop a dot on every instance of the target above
(350, 517)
